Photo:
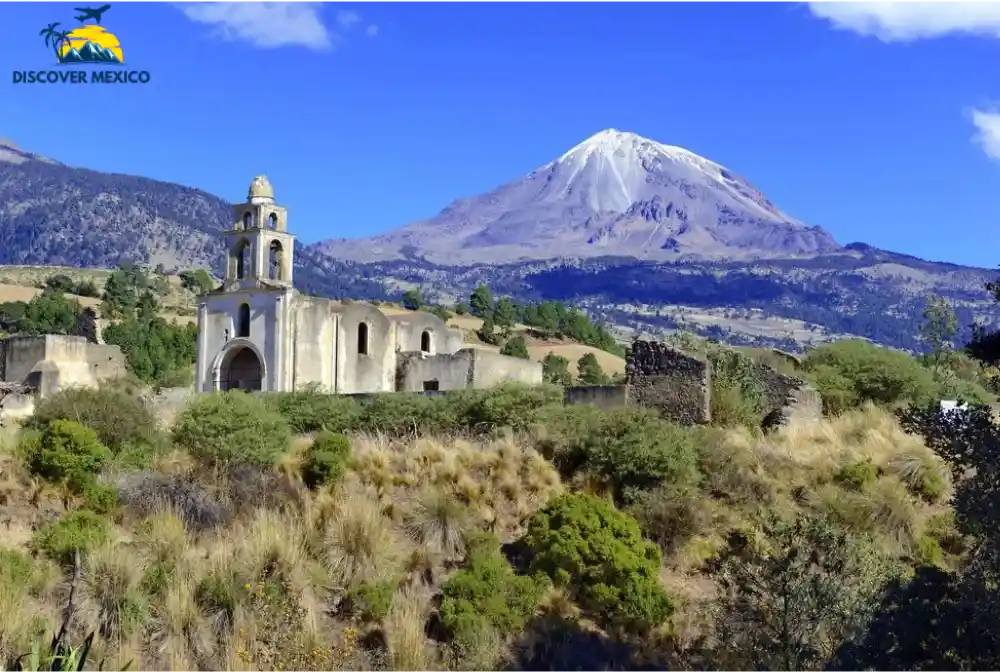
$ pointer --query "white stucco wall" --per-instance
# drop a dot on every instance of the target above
(269, 336)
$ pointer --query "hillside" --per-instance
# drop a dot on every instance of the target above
(504, 531)
(777, 283)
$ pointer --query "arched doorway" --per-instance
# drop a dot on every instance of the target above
(240, 370)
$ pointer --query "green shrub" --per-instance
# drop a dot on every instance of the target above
(930, 486)
(120, 419)
(370, 601)
(669, 515)
(515, 347)
(100, 498)
(486, 593)
(326, 459)
(66, 452)
(508, 405)
(857, 371)
(312, 411)
(231, 427)
(857, 475)
(634, 448)
(560, 432)
(598, 553)
(403, 414)
(555, 370)
(737, 397)
(78, 531)
(16, 569)
(929, 551)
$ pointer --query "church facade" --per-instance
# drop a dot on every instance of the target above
(256, 332)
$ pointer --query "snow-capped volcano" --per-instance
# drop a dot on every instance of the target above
(614, 194)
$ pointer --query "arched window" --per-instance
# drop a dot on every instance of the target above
(242, 258)
(272, 221)
(243, 321)
(247, 220)
(275, 265)
(425, 341)
(363, 339)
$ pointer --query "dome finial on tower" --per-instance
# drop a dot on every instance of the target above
(260, 189)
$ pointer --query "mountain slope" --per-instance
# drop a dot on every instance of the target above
(55, 214)
(615, 194)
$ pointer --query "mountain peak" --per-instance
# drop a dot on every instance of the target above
(614, 194)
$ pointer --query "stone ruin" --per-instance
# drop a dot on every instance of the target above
(679, 386)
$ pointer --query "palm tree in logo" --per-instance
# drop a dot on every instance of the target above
(60, 37)
(53, 38)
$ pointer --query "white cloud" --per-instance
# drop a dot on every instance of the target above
(347, 19)
(265, 24)
(906, 21)
(372, 31)
(987, 132)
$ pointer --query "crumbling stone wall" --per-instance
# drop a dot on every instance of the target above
(675, 383)
(787, 398)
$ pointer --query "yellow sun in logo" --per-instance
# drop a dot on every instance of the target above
(95, 35)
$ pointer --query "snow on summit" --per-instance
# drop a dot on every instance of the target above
(614, 194)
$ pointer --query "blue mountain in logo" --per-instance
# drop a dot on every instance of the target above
(89, 53)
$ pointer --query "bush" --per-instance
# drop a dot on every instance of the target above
(515, 347)
(738, 397)
(857, 475)
(312, 411)
(629, 448)
(78, 531)
(66, 452)
(119, 419)
(146, 492)
(403, 414)
(851, 372)
(370, 601)
(507, 405)
(231, 427)
(486, 594)
(327, 458)
(555, 370)
(598, 553)
(16, 568)
(670, 515)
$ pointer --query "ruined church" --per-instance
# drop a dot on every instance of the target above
(256, 332)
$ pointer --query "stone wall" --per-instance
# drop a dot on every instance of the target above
(676, 384)
(602, 396)
(788, 398)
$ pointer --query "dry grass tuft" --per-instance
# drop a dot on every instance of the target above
(500, 483)
(408, 646)
(361, 543)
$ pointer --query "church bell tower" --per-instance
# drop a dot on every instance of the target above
(259, 246)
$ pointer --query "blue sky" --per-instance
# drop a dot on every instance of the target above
(874, 120)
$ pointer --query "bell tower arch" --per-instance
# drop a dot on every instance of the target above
(259, 247)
